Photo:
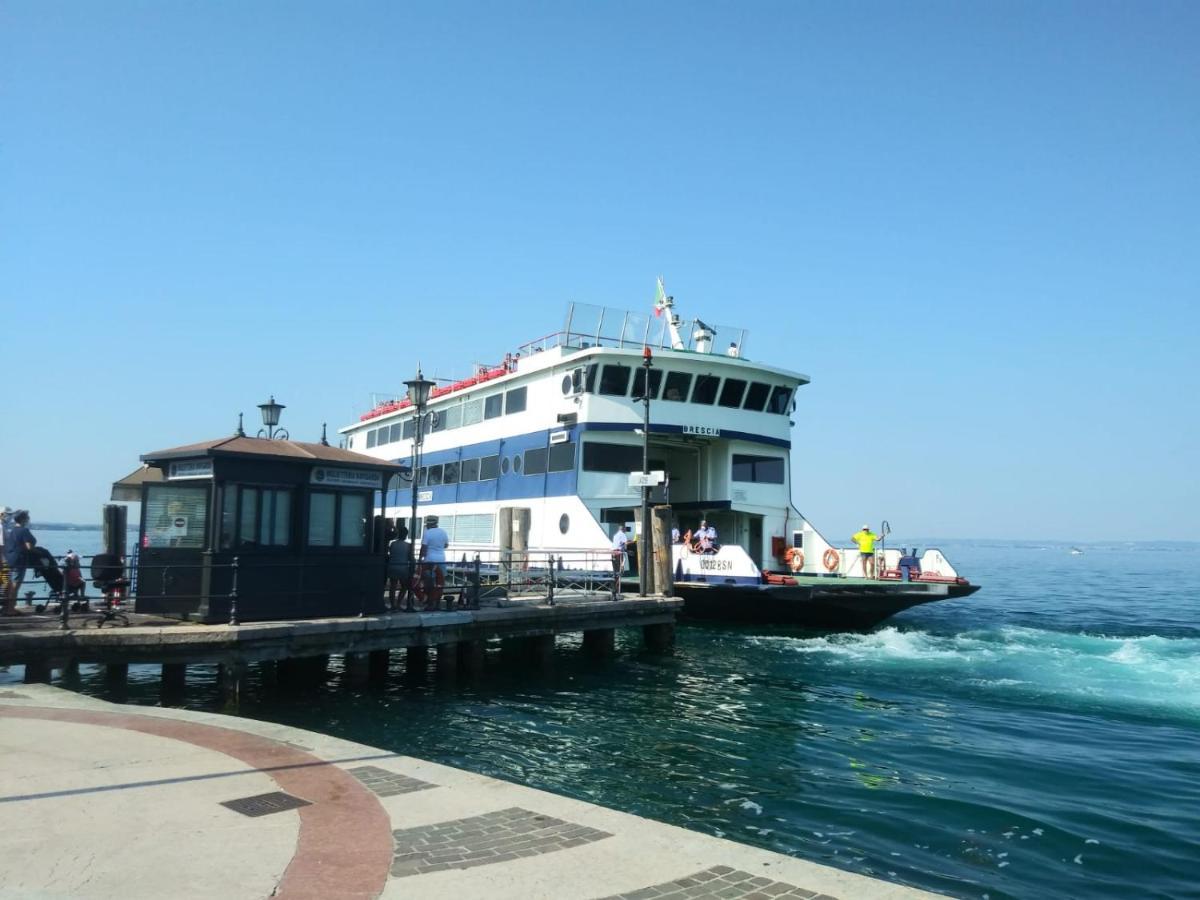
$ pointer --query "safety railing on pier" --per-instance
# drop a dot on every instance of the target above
(484, 577)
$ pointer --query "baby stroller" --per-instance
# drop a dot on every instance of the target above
(74, 584)
(45, 566)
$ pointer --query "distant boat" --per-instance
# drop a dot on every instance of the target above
(1075, 551)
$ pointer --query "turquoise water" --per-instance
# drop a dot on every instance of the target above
(1040, 739)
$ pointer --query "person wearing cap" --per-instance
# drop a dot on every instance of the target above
(434, 541)
(18, 545)
(865, 538)
(706, 537)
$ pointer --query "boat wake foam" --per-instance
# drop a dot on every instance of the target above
(1137, 674)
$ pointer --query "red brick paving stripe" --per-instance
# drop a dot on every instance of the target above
(345, 844)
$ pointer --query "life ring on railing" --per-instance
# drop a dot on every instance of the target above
(794, 557)
(831, 559)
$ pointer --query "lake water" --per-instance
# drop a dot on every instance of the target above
(1039, 739)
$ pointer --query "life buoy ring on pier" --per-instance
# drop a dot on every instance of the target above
(831, 559)
(794, 557)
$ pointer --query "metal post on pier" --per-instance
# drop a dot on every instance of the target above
(475, 582)
(645, 538)
(551, 581)
(233, 593)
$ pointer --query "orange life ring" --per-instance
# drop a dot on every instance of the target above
(831, 559)
(794, 557)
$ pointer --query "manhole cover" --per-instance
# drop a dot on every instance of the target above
(265, 804)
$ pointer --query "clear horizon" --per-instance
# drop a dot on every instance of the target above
(974, 227)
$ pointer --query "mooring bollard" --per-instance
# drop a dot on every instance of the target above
(233, 610)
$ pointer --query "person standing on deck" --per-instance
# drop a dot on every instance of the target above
(865, 538)
(434, 541)
(5, 528)
(620, 539)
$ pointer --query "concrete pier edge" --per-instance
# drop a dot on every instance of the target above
(372, 823)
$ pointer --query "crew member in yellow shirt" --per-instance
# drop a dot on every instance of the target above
(865, 538)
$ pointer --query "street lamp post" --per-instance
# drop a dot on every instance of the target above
(270, 416)
(418, 393)
(645, 540)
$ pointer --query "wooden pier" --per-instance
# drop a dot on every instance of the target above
(527, 630)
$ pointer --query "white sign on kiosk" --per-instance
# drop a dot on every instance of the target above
(647, 479)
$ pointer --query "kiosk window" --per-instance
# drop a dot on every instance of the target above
(337, 520)
(176, 516)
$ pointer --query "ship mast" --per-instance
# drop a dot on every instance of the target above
(663, 303)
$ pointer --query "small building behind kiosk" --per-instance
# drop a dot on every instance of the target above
(288, 524)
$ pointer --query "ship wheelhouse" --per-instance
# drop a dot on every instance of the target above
(557, 429)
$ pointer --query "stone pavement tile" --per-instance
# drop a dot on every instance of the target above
(484, 840)
(721, 883)
(388, 784)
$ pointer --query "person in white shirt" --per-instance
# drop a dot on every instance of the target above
(620, 539)
(434, 541)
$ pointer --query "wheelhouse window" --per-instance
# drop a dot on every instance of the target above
(472, 412)
(781, 400)
(394, 433)
(176, 516)
(514, 400)
(677, 386)
(705, 390)
(493, 406)
(372, 437)
(614, 380)
(408, 428)
(756, 397)
(589, 378)
(453, 415)
(731, 393)
(639, 381)
(757, 469)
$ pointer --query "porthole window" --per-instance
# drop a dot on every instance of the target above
(516, 463)
(504, 466)
(564, 523)
(566, 385)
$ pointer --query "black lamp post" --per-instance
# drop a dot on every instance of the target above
(270, 416)
(418, 393)
(645, 540)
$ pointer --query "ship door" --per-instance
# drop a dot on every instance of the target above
(754, 539)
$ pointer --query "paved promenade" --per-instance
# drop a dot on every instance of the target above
(99, 800)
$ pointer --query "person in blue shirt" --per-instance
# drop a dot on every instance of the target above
(18, 544)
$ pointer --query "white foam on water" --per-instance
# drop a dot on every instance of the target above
(1148, 673)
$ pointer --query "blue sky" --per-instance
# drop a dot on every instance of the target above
(974, 225)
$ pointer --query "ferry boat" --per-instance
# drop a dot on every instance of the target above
(537, 451)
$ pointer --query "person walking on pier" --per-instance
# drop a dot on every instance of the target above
(865, 538)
